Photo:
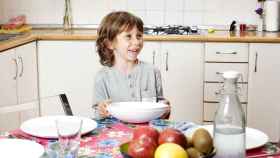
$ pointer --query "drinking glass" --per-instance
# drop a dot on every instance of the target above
(69, 135)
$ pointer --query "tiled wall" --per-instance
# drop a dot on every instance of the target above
(153, 12)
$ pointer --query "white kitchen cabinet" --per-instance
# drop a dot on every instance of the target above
(28, 74)
(263, 91)
(226, 52)
(19, 88)
(67, 67)
(220, 57)
(210, 109)
(212, 92)
(213, 71)
(181, 65)
(151, 53)
(8, 71)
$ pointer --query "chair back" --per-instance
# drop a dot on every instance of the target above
(65, 105)
(55, 105)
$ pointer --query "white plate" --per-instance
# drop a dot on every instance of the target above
(45, 126)
(15, 148)
(254, 138)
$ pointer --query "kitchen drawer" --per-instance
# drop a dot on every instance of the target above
(226, 52)
(209, 110)
(213, 71)
(210, 90)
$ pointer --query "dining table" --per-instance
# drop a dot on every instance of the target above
(105, 141)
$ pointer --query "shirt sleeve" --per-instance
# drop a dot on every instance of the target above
(101, 91)
(159, 89)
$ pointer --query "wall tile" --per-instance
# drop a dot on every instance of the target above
(174, 5)
(173, 18)
(94, 18)
(140, 14)
(194, 5)
(90, 6)
(193, 18)
(154, 18)
(89, 11)
(47, 12)
(153, 12)
(136, 5)
(215, 18)
(155, 5)
(116, 5)
(213, 5)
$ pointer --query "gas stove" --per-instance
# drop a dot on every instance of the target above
(171, 30)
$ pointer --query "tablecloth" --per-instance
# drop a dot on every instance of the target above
(104, 141)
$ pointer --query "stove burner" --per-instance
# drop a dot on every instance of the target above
(171, 30)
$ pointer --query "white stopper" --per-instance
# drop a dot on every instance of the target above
(231, 74)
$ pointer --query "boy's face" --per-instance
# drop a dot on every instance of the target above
(127, 45)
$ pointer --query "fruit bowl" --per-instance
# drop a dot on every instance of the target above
(124, 150)
(137, 112)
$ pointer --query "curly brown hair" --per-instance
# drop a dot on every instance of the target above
(113, 24)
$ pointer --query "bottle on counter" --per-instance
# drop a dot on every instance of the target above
(67, 19)
(229, 121)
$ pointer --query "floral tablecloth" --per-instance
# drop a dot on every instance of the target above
(104, 141)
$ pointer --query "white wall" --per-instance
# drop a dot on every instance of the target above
(159, 12)
(1, 11)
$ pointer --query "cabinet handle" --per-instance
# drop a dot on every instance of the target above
(218, 92)
(16, 73)
(154, 54)
(166, 61)
(219, 73)
(21, 61)
(226, 53)
(256, 62)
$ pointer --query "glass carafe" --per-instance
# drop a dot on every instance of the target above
(229, 121)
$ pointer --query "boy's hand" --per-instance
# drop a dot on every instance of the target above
(167, 113)
(102, 108)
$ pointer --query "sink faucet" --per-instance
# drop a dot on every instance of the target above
(67, 19)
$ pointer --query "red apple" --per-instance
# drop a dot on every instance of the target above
(143, 147)
(171, 135)
(145, 131)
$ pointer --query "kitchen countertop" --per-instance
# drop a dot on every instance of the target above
(90, 34)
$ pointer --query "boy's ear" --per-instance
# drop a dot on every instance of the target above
(109, 44)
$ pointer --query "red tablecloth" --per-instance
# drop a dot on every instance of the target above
(264, 150)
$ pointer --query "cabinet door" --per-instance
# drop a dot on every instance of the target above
(182, 70)
(263, 91)
(27, 75)
(151, 53)
(12, 116)
(8, 71)
(9, 121)
(19, 80)
(68, 67)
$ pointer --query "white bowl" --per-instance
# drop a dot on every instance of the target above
(137, 112)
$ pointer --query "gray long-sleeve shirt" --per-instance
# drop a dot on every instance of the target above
(143, 82)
